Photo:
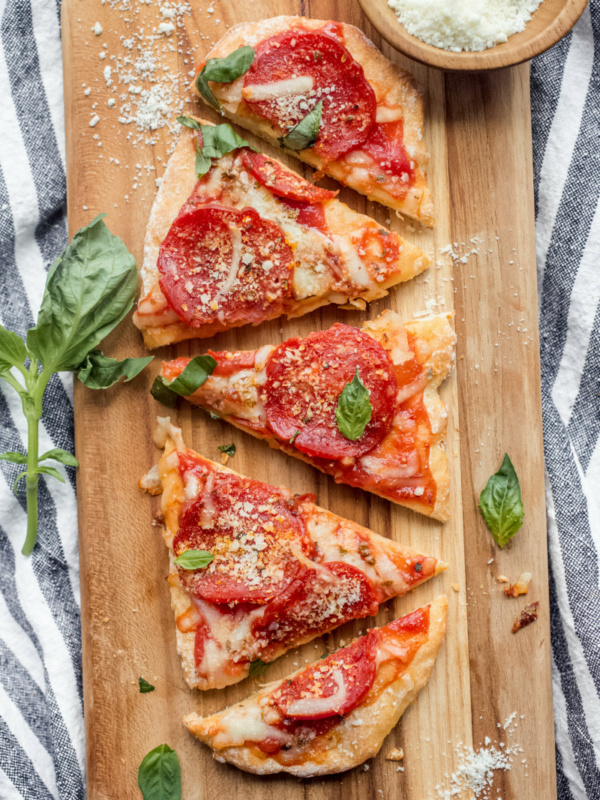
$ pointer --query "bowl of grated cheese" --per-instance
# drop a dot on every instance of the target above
(472, 34)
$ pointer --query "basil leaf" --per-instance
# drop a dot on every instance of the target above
(223, 70)
(145, 687)
(228, 449)
(12, 350)
(192, 377)
(52, 472)
(501, 505)
(353, 411)
(90, 288)
(217, 141)
(100, 372)
(257, 668)
(203, 164)
(159, 774)
(194, 559)
(62, 456)
(306, 132)
(14, 458)
(189, 122)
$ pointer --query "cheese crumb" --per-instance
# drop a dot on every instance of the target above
(94, 121)
(97, 29)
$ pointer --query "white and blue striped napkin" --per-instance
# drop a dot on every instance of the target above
(41, 707)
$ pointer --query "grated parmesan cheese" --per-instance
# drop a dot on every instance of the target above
(458, 25)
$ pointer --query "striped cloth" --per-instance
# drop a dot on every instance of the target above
(41, 709)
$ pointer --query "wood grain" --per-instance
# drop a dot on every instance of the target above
(552, 20)
(478, 131)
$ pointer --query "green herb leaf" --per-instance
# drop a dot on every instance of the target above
(62, 456)
(257, 668)
(100, 372)
(353, 411)
(306, 132)
(228, 449)
(501, 505)
(52, 472)
(189, 122)
(192, 377)
(145, 687)
(159, 774)
(223, 70)
(14, 458)
(203, 163)
(90, 288)
(294, 434)
(12, 350)
(213, 416)
(194, 559)
(217, 141)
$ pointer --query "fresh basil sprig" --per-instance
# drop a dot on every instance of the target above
(99, 372)
(354, 409)
(89, 290)
(214, 141)
(223, 70)
(306, 132)
(194, 559)
(159, 774)
(501, 505)
(228, 449)
(145, 687)
(193, 376)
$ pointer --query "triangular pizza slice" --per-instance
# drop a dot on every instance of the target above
(326, 93)
(334, 714)
(251, 240)
(359, 404)
(256, 570)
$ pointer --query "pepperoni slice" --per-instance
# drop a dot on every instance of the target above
(305, 378)
(311, 215)
(417, 622)
(332, 687)
(282, 182)
(228, 363)
(317, 601)
(254, 532)
(386, 146)
(224, 264)
(314, 66)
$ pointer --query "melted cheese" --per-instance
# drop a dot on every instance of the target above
(387, 114)
(310, 706)
(245, 723)
(355, 267)
(286, 88)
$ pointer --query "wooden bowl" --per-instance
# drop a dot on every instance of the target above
(552, 20)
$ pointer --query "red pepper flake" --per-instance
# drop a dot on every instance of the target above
(528, 615)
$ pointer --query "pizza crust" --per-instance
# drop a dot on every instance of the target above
(390, 83)
(178, 184)
(318, 521)
(359, 739)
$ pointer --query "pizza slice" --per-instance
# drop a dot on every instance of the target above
(358, 404)
(251, 240)
(324, 91)
(256, 570)
(334, 714)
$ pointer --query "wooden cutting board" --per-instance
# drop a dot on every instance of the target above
(478, 132)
